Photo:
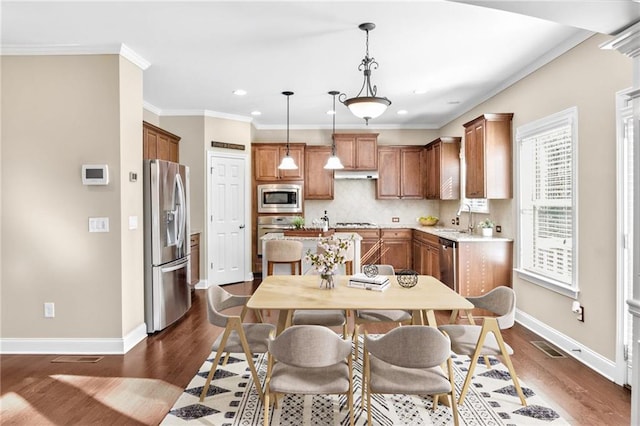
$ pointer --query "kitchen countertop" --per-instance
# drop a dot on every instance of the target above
(452, 234)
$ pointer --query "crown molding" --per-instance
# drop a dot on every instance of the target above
(627, 42)
(76, 49)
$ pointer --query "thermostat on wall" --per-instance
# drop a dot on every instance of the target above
(95, 174)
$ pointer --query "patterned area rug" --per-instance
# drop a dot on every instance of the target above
(232, 400)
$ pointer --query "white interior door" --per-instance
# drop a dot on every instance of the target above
(226, 236)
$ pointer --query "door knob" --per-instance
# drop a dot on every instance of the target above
(241, 226)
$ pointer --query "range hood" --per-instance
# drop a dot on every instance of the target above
(355, 174)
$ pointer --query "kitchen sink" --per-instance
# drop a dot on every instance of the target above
(452, 230)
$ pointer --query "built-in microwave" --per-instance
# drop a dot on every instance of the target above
(280, 198)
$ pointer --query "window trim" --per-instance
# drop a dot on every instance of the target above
(569, 117)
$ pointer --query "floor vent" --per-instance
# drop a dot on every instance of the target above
(72, 358)
(550, 350)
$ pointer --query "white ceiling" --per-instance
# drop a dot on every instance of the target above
(200, 52)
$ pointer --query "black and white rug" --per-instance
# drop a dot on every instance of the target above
(233, 401)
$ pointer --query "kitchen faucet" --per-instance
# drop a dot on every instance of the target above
(470, 223)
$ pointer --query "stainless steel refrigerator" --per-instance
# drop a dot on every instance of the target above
(167, 243)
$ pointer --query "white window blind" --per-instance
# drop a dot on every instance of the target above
(546, 199)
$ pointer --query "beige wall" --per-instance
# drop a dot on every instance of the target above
(586, 77)
(60, 112)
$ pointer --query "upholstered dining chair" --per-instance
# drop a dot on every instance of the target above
(364, 316)
(408, 360)
(328, 317)
(238, 337)
(486, 339)
(308, 359)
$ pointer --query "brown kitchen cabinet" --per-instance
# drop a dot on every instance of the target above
(159, 144)
(357, 151)
(195, 259)
(369, 245)
(483, 266)
(318, 180)
(426, 254)
(267, 158)
(396, 248)
(401, 173)
(443, 169)
(488, 156)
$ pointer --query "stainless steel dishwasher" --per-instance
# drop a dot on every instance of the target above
(448, 261)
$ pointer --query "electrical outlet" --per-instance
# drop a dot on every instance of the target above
(498, 228)
(453, 221)
(395, 219)
(49, 310)
(457, 221)
(581, 314)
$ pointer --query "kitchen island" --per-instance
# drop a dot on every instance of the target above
(309, 243)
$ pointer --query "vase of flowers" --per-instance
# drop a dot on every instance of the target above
(328, 257)
(486, 227)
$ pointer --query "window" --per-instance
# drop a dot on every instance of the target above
(546, 201)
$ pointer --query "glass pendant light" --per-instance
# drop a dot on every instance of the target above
(333, 162)
(287, 162)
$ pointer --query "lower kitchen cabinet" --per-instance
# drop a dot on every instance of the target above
(483, 266)
(396, 247)
(369, 246)
(426, 254)
(195, 259)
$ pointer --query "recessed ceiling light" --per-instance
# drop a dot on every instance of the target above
(420, 91)
(402, 112)
(239, 92)
(453, 102)
(255, 113)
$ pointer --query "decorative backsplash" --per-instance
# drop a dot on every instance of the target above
(355, 201)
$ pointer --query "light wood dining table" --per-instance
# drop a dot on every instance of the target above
(287, 293)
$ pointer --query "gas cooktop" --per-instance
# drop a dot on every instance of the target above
(355, 225)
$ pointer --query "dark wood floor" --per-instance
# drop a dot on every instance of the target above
(140, 387)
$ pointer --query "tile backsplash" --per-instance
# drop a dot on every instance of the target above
(355, 201)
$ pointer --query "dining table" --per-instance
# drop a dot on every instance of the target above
(286, 293)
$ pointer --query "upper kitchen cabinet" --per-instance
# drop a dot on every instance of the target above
(267, 158)
(159, 144)
(318, 180)
(401, 173)
(443, 169)
(357, 151)
(488, 147)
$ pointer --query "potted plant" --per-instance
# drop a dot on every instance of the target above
(486, 227)
(298, 222)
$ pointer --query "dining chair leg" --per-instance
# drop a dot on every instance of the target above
(354, 337)
(472, 366)
(350, 394)
(512, 371)
(249, 355)
(454, 405)
(216, 360)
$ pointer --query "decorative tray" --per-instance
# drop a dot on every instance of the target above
(308, 233)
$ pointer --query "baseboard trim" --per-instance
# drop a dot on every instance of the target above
(202, 284)
(591, 359)
(74, 346)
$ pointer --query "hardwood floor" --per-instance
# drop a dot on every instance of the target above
(140, 387)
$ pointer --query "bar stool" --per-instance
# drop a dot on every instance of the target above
(284, 252)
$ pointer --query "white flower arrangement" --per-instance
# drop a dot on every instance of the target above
(331, 254)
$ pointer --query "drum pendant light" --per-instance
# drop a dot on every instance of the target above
(368, 106)
(287, 161)
(333, 162)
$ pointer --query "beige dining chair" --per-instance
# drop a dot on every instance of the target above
(238, 337)
(408, 360)
(308, 359)
(486, 339)
(364, 316)
(324, 317)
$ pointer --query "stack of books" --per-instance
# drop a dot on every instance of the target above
(377, 283)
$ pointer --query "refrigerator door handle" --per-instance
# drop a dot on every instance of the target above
(181, 211)
(172, 268)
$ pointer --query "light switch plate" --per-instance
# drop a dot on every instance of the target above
(98, 224)
(133, 222)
